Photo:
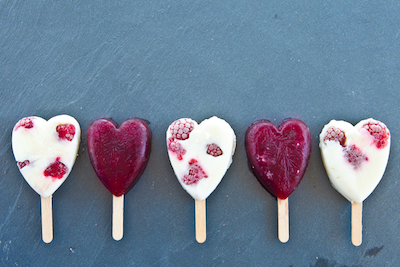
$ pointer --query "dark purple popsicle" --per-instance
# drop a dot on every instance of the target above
(278, 157)
(119, 155)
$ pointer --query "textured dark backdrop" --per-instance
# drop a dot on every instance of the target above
(163, 60)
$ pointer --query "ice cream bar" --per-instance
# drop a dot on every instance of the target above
(200, 154)
(45, 151)
(355, 157)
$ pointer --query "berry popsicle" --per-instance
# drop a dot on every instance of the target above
(200, 155)
(355, 159)
(119, 157)
(45, 152)
(278, 157)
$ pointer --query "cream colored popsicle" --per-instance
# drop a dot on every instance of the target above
(45, 152)
(200, 155)
(355, 159)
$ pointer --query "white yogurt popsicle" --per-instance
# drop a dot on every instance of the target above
(45, 151)
(355, 157)
(200, 154)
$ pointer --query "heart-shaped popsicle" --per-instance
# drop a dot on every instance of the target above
(119, 157)
(200, 155)
(355, 159)
(278, 157)
(45, 152)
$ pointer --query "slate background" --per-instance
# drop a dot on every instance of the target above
(163, 60)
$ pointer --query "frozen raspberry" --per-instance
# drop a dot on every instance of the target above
(25, 122)
(23, 164)
(181, 129)
(354, 156)
(335, 134)
(175, 147)
(214, 150)
(379, 132)
(56, 169)
(66, 131)
(196, 173)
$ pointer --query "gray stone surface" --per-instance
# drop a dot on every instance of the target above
(163, 60)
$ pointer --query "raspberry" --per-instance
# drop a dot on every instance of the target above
(196, 173)
(25, 122)
(354, 156)
(56, 169)
(379, 132)
(23, 164)
(335, 134)
(66, 131)
(214, 150)
(181, 129)
(176, 147)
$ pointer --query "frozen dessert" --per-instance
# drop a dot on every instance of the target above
(119, 155)
(355, 157)
(45, 151)
(200, 154)
(278, 157)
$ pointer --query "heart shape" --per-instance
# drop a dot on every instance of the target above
(119, 155)
(355, 157)
(45, 151)
(278, 157)
(200, 154)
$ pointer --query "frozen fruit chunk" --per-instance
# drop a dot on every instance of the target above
(335, 134)
(23, 163)
(37, 144)
(354, 156)
(180, 129)
(66, 131)
(191, 160)
(176, 147)
(379, 132)
(356, 167)
(278, 156)
(57, 169)
(119, 155)
(25, 123)
(214, 150)
(195, 173)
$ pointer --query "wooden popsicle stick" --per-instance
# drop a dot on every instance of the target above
(356, 223)
(47, 218)
(283, 220)
(200, 217)
(118, 217)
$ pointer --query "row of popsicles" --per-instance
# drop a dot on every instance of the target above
(355, 159)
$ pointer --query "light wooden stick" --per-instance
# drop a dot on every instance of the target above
(47, 218)
(283, 220)
(356, 223)
(118, 217)
(200, 217)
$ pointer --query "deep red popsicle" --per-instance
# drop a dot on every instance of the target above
(119, 155)
(278, 157)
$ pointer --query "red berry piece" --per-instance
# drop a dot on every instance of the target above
(181, 129)
(56, 169)
(379, 132)
(196, 173)
(66, 131)
(25, 122)
(354, 156)
(175, 147)
(214, 150)
(23, 164)
(335, 134)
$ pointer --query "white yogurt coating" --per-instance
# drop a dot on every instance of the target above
(42, 146)
(355, 183)
(213, 130)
